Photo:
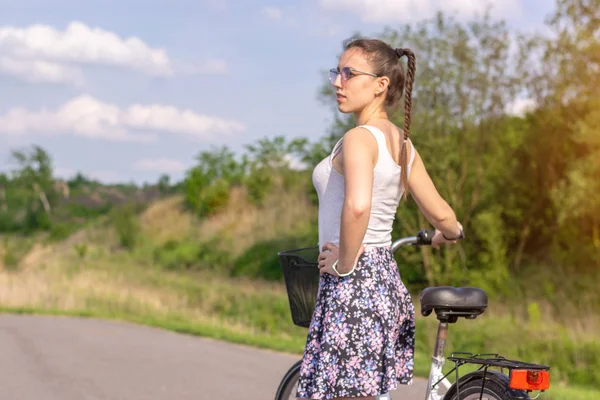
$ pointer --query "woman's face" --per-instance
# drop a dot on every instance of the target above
(355, 84)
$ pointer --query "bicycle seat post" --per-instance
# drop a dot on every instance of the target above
(437, 361)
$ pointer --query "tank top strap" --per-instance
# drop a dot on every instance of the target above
(336, 148)
(379, 136)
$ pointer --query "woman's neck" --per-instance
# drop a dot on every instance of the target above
(363, 116)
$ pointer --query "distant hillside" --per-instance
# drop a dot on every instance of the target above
(95, 194)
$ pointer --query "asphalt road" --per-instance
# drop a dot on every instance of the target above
(60, 358)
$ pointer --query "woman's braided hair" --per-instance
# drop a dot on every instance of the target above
(385, 61)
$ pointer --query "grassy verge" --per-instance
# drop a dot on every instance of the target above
(257, 313)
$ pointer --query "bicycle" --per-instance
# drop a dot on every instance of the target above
(449, 304)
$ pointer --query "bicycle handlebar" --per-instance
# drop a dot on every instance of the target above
(423, 238)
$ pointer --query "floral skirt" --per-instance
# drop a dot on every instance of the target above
(361, 337)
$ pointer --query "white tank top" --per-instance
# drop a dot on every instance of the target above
(387, 191)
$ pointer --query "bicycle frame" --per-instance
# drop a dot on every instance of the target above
(436, 376)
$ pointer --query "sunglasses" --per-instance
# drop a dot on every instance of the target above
(346, 73)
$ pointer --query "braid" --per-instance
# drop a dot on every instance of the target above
(410, 78)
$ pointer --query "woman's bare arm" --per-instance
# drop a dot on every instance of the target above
(359, 155)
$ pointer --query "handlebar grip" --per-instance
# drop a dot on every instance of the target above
(425, 236)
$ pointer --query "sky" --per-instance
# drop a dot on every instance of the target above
(125, 91)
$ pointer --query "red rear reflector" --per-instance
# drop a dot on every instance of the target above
(522, 379)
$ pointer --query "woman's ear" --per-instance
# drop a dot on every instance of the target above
(382, 84)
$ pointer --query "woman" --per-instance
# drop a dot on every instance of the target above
(361, 338)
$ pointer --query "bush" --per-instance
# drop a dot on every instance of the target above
(188, 254)
(124, 219)
(7, 222)
(14, 251)
(261, 260)
(206, 199)
(61, 231)
(75, 210)
(11, 258)
(258, 185)
(176, 255)
(214, 197)
(81, 250)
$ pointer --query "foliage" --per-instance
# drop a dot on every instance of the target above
(28, 195)
(207, 184)
(126, 225)
(265, 166)
(163, 184)
(187, 254)
(10, 258)
(81, 250)
(261, 260)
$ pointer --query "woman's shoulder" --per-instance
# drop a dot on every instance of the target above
(359, 138)
(359, 134)
(358, 143)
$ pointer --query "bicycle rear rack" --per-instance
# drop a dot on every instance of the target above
(494, 360)
(486, 361)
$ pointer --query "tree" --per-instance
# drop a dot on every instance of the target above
(575, 57)
(208, 183)
(164, 184)
(32, 187)
(3, 183)
(271, 162)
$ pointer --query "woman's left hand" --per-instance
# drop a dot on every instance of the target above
(329, 253)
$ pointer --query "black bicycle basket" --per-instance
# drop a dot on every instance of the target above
(301, 274)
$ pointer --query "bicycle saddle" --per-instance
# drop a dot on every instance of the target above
(450, 303)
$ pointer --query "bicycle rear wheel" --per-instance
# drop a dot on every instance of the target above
(289, 383)
(493, 390)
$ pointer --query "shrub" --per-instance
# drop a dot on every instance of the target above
(81, 249)
(258, 185)
(124, 220)
(261, 260)
(11, 258)
(188, 254)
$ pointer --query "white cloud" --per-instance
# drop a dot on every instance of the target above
(159, 165)
(272, 13)
(410, 10)
(89, 117)
(40, 71)
(41, 53)
(519, 107)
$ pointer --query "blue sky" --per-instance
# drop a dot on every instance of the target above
(198, 73)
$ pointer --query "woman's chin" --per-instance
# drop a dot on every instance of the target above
(344, 108)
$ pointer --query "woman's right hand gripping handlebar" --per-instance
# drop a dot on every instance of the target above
(439, 237)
